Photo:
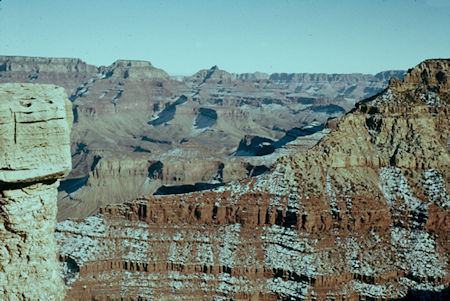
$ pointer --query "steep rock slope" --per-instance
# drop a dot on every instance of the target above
(363, 214)
(35, 122)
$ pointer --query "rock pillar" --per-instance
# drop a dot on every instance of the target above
(35, 122)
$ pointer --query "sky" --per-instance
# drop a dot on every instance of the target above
(184, 36)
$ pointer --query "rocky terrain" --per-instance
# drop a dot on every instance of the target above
(362, 215)
(35, 122)
(129, 115)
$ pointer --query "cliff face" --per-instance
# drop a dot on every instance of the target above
(35, 122)
(41, 64)
(68, 73)
(363, 214)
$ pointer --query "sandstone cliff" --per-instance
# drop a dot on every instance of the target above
(35, 122)
(363, 214)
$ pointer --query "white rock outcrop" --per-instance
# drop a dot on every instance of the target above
(35, 123)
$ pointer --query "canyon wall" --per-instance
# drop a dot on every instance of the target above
(35, 122)
(364, 214)
(115, 178)
(133, 110)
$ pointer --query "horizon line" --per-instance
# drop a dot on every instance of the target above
(190, 74)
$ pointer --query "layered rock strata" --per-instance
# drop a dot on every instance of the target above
(362, 215)
(35, 122)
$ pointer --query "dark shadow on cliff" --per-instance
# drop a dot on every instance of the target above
(168, 113)
(206, 118)
(423, 295)
(178, 189)
(72, 185)
(261, 146)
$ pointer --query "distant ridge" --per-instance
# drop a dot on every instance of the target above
(14, 63)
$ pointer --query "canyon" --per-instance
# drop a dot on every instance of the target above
(139, 131)
(363, 214)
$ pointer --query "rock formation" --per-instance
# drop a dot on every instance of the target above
(361, 215)
(35, 122)
(214, 74)
(140, 70)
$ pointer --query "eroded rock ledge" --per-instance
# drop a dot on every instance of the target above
(35, 122)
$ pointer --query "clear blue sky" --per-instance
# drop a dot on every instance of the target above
(183, 36)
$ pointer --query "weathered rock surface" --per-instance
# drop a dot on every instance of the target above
(363, 214)
(35, 122)
(35, 127)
